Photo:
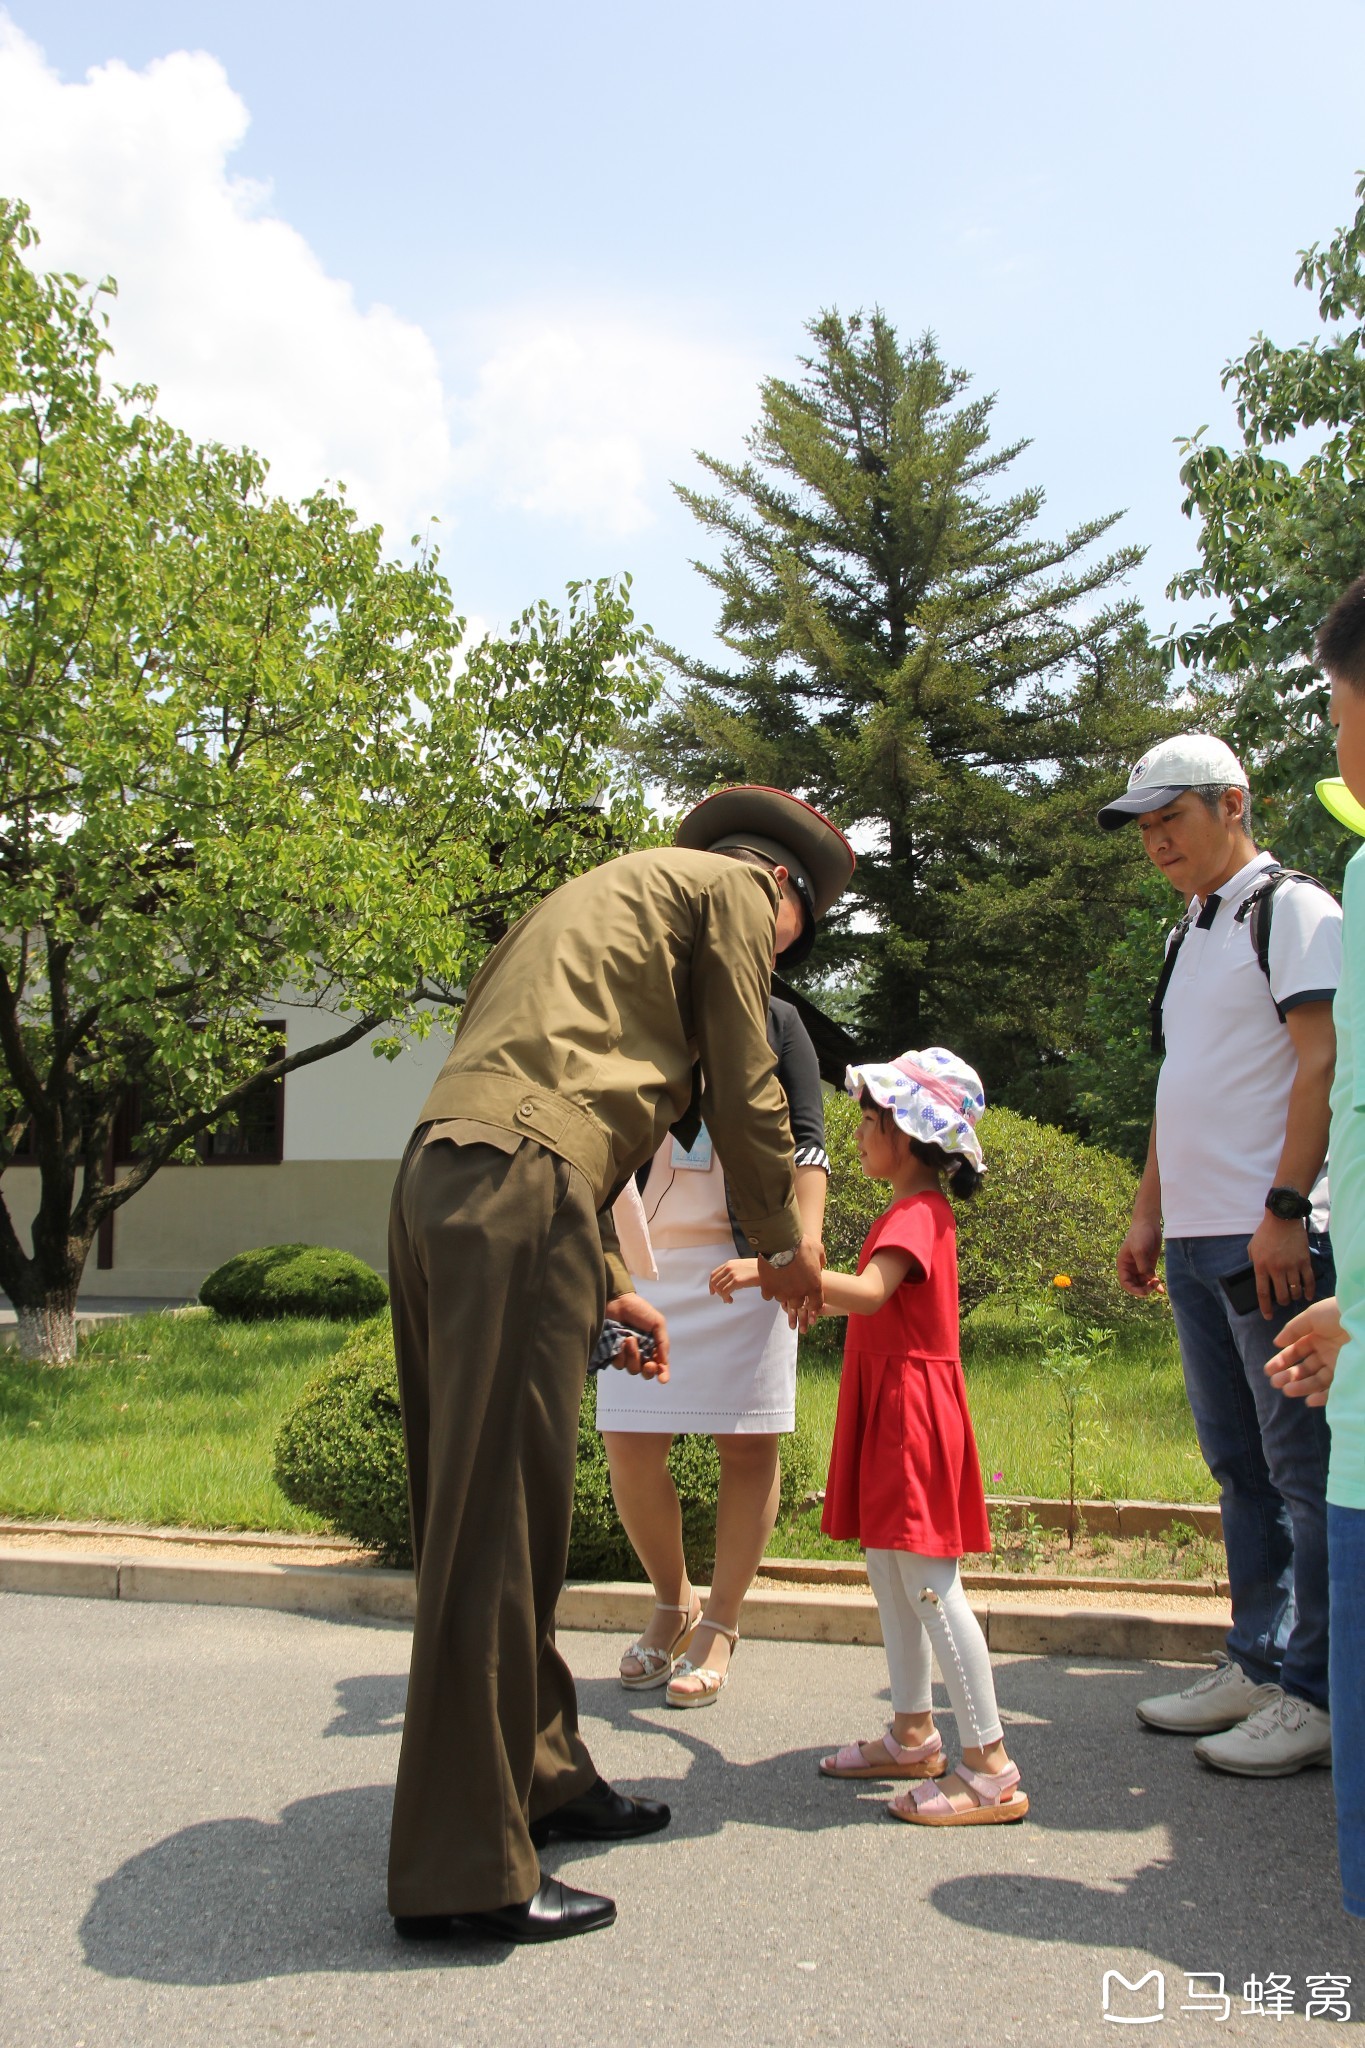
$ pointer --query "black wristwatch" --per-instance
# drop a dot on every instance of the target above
(1289, 1205)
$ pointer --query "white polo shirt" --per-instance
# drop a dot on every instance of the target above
(1223, 1093)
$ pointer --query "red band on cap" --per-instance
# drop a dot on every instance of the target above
(942, 1088)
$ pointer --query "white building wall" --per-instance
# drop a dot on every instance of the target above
(353, 1105)
(346, 1123)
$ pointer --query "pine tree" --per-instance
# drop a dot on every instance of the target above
(956, 691)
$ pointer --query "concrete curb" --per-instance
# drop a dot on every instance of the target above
(805, 1572)
(1118, 1517)
(1106, 1517)
(92, 1578)
(819, 1571)
(143, 1532)
(804, 1616)
(340, 1591)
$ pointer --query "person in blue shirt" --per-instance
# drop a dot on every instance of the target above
(1322, 1356)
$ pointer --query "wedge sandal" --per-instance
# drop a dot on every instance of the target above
(713, 1683)
(658, 1665)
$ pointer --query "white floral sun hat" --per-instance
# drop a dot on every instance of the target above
(933, 1095)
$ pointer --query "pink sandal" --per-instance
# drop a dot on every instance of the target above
(925, 1761)
(930, 1808)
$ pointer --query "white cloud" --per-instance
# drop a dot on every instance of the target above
(223, 306)
(577, 415)
(586, 416)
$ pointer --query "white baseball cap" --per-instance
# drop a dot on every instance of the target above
(1196, 760)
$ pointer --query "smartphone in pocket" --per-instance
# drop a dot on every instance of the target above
(1240, 1289)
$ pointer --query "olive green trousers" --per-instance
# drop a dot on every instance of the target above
(497, 1283)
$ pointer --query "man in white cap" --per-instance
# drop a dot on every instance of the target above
(1236, 1181)
(576, 1054)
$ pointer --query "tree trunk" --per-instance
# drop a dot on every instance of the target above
(48, 1333)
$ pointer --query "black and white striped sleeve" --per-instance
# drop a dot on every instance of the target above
(798, 1069)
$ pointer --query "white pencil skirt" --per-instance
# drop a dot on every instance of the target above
(731, 1367)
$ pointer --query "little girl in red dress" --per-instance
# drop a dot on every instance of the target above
(904, 1479)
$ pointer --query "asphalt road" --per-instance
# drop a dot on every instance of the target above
(193, 1817)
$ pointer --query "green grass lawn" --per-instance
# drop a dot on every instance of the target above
(1144, 1449)
(171, 1420)
(1148, 1449)
(162, 1419)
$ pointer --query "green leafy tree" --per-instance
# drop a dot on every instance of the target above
(911, 655)
(1281, 534)
(241, 757)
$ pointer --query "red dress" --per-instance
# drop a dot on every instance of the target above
(903, 1468)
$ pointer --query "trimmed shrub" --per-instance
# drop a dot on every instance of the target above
(294, 1280)
(1048, 1204)
(339, 1450)
(339, 1453)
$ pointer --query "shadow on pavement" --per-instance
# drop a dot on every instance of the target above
(783, 1791)
(1245, 1881)
(235, 1901)
(369, 1705)
(1233, 1876)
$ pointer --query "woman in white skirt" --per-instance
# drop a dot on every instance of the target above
(732, 1375)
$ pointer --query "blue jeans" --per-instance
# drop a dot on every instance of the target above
(1269, 1456)
(1346, 1543)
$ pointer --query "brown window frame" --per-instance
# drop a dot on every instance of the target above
(129, 1121)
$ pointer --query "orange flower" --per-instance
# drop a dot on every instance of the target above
(1061, 1279)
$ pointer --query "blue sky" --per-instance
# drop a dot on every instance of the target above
(510, 265)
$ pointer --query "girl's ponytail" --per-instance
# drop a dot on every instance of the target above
(963, 1178)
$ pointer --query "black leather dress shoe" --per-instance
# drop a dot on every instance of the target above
(601, 1815)
(556, 1912)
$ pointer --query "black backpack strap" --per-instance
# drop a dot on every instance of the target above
(1257, 909)
(1177, 940)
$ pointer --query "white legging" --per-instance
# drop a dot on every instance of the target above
(922, 1606)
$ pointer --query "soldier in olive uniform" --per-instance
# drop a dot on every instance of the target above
(575, 1055)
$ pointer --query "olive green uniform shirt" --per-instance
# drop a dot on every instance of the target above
(580, 1031)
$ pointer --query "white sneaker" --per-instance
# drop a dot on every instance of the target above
(1220, 1699)
(1284, 1736)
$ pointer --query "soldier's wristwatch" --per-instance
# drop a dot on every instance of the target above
(1289, 1205)
(780, 1259)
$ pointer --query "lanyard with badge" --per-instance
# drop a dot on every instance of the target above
(698, 1159)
